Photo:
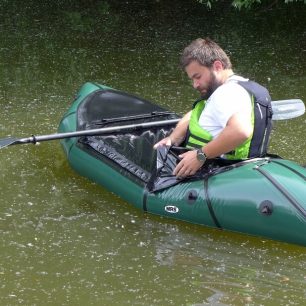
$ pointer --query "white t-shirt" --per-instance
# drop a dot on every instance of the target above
(228, 99)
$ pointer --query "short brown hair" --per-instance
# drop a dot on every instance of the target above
(205, 52)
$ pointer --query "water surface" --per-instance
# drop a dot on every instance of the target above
(67, 241)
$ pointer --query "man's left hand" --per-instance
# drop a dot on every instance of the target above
(188, 165)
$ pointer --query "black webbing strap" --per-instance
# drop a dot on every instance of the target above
(209, 204)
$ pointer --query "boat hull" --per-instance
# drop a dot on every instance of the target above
(263, 197)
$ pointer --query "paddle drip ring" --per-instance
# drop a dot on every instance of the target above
(34, 141)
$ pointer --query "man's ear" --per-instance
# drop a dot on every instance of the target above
(218, 66)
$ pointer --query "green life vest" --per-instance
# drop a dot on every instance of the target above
(261, 119)
(197, 136)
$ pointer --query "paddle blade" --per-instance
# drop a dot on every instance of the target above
(5, 142)
(287, 109)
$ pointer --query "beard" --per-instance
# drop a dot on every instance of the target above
(211, 86)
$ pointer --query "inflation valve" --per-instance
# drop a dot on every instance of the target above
(191, 196)
(266, 208)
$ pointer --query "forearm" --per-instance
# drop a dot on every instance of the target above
(232, 136)
(223, 144)
(179, 133)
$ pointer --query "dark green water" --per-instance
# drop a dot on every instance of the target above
(67, 241)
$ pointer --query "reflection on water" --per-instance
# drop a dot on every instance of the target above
(66, 241)
(234, 272)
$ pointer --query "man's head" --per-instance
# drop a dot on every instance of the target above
(207, 65)
(205, 52)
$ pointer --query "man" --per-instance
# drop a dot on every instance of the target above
(231, 120)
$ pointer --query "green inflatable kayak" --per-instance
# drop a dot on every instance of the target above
(263, 197)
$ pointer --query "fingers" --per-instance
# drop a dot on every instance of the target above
(156, 145)
(164, 142)
(182, 170)
(168, 142)
(188, 165)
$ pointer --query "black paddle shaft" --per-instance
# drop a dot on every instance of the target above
(282, 109)
(5, 142)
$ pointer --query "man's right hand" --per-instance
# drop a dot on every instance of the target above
(178, 134)
(164, 142)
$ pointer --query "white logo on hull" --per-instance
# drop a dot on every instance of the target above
(171, 209)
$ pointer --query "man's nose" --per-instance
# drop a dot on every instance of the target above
(195, 84)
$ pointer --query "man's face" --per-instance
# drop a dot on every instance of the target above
(203, 79)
